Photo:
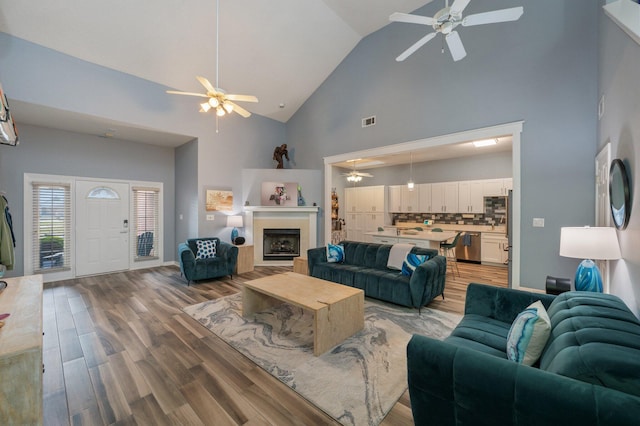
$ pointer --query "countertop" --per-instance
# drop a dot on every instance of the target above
(418, 235)
(501, 229)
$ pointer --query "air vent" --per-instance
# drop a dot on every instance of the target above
(369, 121)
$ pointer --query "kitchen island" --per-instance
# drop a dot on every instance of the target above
(426, 239)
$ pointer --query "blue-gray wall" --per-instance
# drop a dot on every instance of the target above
(541, 69)
(619, 72)
(186, 166)
(50, 151)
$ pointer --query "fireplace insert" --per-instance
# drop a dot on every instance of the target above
(280, 244)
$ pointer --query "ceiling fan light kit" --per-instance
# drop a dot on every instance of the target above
(218, 99)
(445, 22)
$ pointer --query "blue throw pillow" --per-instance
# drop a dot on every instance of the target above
(528, 334)
(335, 253)
(411, 262)
(206, 249)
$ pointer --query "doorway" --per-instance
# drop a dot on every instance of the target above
(102, 227)
(513, 129)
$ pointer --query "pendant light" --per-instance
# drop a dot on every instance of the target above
(410, 184)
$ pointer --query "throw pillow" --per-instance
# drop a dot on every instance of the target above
(206, 249)
(335, 253)
(411, 262)
(528, 334)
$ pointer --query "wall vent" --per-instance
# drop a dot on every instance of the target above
(369, 121)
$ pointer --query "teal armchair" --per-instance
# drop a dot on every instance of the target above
(224, 262)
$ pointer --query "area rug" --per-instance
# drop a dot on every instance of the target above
(356, 382)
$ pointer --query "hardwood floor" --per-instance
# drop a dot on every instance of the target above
(118, 350)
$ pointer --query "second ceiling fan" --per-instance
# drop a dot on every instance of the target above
(445, 22)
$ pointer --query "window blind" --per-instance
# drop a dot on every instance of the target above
(51, 227)
(146, 231)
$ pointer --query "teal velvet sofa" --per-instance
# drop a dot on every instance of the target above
(365, 267)
(224, 262)
(588, 373)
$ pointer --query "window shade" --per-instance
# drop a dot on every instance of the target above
(51, 227)
(145, 232)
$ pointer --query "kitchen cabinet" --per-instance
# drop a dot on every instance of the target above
(471, 196)
(424, 197)
(371, 222)
(395, 199)
(410, 200)
(497, 187)
(365, 199)
(384, 240)
(354, 226)
(444, 197)
(494, 248)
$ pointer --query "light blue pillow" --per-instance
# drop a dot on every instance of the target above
(335, 253)
(206, 249)
(528, 334)
(411, 262)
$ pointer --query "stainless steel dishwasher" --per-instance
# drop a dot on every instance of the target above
(468, 247)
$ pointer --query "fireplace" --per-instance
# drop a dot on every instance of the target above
(280, 244)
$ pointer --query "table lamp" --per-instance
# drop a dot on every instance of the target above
(235, 222)
(597, 243)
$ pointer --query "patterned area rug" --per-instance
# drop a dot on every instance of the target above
(356, 382)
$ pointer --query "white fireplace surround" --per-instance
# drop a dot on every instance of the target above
(261, 217)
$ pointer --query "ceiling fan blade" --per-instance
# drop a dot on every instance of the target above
(458, 6)
(207, 85)
(417, 45)
(363, 174)
(241, 98)
(411, 19)
(176, 92)
(237, 108)
(455, 46)
(503, 15)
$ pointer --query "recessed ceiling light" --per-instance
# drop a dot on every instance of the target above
(485, 142)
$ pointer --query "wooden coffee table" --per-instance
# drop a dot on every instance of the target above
(338, 310)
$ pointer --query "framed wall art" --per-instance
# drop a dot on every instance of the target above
(218, 200)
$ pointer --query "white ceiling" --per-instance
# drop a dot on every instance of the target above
(280, 50)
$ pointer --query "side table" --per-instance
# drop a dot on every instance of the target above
(300, 265)
(245, 259)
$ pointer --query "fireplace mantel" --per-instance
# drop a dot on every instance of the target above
(259, 217)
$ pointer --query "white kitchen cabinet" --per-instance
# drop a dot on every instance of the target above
(354, 226)
(494, 248)
(444, 197)
(471, 196)
(384, 240)
(497, 187)
(365, 199)
(395, 199)
(410, 200)
(424, 197)
(371, 222)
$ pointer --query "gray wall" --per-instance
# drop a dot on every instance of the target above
(57, 152)
(186, 167)
(541, 69)
(619, 72)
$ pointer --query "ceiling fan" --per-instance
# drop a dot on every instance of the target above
(445, 22)
(354, 175)
(218, 99)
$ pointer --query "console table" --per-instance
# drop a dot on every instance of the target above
(21, 352)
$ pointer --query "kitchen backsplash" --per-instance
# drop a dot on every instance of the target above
(495, 211)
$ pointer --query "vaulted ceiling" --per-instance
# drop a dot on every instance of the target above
(281, 50)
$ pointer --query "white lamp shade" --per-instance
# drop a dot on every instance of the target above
(234, 221)
(597, 243)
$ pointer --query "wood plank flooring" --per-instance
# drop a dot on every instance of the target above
(118, 350)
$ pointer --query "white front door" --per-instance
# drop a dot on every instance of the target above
(102, 227)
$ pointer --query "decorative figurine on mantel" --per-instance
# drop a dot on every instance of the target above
(279, 153)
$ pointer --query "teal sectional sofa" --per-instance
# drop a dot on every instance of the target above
(588, 373)
(365, 267)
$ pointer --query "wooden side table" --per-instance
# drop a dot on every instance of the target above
(300, 265)
(245, 259)
(21, 352)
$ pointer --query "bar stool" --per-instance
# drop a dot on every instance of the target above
(449, 251)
